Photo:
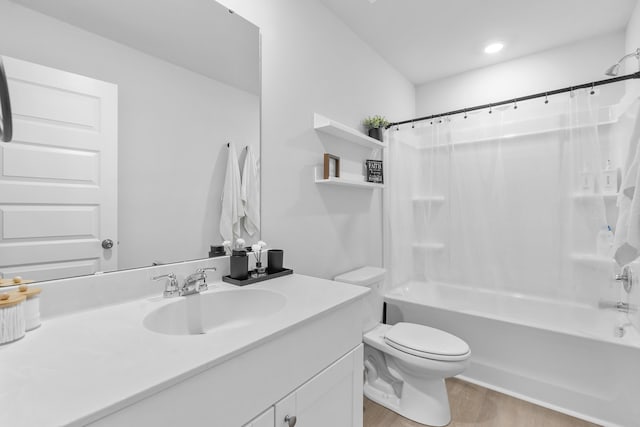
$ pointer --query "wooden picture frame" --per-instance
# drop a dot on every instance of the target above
(327, 163)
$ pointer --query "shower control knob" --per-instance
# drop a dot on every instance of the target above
(107, 243)
(291, 421)
(626, 278)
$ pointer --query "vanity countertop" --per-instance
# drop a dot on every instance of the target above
(75, 369)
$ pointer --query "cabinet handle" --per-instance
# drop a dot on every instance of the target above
(290, 420)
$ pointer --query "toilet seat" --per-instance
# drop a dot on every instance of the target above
(425, 342)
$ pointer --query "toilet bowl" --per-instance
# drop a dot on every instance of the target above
(406, 364)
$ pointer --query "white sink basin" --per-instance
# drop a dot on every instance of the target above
(202, 313)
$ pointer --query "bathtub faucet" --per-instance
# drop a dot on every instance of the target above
(626, 277)
(620, 306)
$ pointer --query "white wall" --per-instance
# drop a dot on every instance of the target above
(632, 42)
(173, 129)
(313, 63)
(556, 68)
(632, 34)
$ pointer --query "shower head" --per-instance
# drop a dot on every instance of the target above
(615, 68)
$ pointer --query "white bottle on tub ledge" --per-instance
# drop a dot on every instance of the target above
(610, 179)
(587, 181)
(604, 242)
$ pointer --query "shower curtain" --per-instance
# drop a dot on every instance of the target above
(509, 200)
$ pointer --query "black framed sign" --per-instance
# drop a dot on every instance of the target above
(374, 171)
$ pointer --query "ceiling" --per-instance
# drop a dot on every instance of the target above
(221, 45)
(426, 40)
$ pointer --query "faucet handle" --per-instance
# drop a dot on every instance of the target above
(626, 277)
(203, 286)
(203, 269)
(172, 288)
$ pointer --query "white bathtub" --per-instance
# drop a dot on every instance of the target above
(562, 356)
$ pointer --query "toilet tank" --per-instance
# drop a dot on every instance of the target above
(371, 277)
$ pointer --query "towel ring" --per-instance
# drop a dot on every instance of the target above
(6, 129)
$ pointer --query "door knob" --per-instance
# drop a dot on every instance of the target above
(107, 243)
(290, 420)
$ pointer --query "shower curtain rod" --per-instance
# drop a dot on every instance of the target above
(522, 98)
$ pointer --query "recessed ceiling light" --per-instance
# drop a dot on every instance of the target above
(493, 48)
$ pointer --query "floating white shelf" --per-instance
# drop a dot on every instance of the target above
(348, 183)
(331, 127)
(429, 246)
(587, 196)
(591, 258)
(434, 199)
(347, 180)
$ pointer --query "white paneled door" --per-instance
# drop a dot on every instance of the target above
(58, 177)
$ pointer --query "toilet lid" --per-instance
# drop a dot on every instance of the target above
(423, 341)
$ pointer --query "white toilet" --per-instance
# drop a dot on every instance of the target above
(406, 364)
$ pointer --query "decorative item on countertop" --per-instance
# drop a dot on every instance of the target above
(375, 126)
(227, 247)
(252, 280)
(15, 281)
(257, 253)
(274, 260)
(374, 171)
(12, 325)
(327, 166)
(31, 306)
(216, 251)
(239, 263)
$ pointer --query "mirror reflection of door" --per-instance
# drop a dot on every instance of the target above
(58, 175)
(188, 82)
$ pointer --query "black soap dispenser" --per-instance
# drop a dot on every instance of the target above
(239, 264)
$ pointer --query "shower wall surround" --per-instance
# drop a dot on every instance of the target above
(495, 200)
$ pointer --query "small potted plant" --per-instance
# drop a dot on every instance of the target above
(375, 125)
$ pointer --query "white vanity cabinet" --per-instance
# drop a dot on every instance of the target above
(331, 398)
(312, 370)
(266, 419)
(304, 361)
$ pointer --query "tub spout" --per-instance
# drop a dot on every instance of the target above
(619, 305)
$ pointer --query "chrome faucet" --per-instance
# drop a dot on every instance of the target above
(193, 284)
(626, 277)
(172, 288)
(196, 282)
(622, 307)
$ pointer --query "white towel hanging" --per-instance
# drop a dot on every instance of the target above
(232, 210)
(251, 193)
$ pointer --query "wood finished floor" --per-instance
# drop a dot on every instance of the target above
(472, 405)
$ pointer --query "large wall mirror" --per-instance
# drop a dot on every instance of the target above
(122, 115)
